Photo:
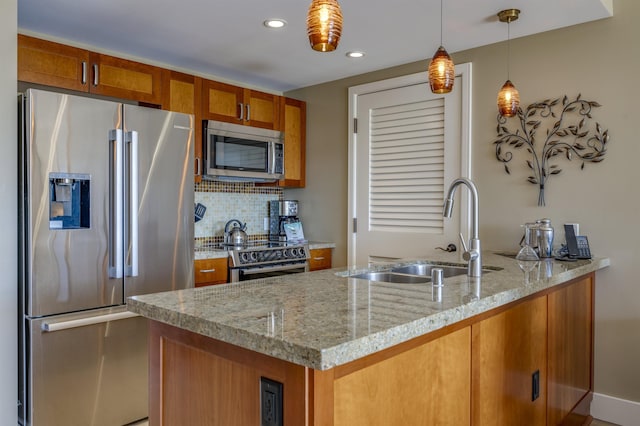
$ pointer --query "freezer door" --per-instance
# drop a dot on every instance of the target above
(159, 200)
(67, 263)
(87, 370)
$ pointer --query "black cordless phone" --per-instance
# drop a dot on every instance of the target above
(578, 246)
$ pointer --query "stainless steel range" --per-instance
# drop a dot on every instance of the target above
(267, 259)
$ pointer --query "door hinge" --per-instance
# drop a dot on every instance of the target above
(355, 125)
(355, 225)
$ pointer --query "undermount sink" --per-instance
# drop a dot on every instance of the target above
(418, 273)
(390, 277)
(424, 269)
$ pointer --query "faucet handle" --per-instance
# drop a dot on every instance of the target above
(464, 244)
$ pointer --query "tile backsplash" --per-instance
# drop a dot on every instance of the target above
(233, 200)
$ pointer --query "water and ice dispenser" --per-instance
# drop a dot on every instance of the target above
(69, 203)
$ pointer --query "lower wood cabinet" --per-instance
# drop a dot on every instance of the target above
(211, 271)
(320, 259)
(509, 353)
(475, 372)
(570, 374)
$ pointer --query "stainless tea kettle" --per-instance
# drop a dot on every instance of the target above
(235, 236)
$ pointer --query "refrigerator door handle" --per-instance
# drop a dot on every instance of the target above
(82, 322)
(132, 144)
(115, 204)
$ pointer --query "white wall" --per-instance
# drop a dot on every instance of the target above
(600, 60)
(8, 210)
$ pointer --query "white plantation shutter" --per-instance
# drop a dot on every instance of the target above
(406, 167)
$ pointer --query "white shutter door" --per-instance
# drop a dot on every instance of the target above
(406, 150)
(406, 167)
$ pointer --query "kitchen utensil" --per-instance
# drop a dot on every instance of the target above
(200, 209)
(527, 253)
(236, 236)
(544, 235)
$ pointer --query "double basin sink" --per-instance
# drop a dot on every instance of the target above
(419, 273)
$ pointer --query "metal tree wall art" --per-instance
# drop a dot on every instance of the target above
(568, 135)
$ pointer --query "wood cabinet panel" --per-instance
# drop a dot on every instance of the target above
(182, 93)
(263, 111)
(125, 79)
(67, 67)
(426, 385)
(197, 380)
(507, 349)
(320, 259)
(52, 64)
(570, 346)
(294, 113)
(233, 104)
(210, 271)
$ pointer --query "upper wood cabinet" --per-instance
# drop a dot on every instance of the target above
(294, 113)
(58, 65)
(183, 93)
(233, 104)
(52, 64)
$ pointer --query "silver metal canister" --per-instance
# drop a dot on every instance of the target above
(545, 238)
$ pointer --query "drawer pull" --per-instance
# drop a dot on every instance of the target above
(206, 271)
(318, 258)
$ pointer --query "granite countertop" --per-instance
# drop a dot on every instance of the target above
(216, 253)
(327, 318)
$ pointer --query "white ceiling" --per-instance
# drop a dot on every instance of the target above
(226, 38)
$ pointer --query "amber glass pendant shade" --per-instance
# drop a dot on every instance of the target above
(508, 100)
(442, 72)
(324, 25)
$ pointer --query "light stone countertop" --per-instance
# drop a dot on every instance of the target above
(326, 318)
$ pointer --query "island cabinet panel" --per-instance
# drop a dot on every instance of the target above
(427, 385)
(570, 351)
(196, 380)
(507, 349)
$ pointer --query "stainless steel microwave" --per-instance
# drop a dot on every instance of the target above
(242, 153)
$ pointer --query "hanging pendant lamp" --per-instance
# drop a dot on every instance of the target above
(442, 72)
(324, 25)
(508, 97)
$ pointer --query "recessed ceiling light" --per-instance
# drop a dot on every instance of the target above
(275, 23)
(355, 54)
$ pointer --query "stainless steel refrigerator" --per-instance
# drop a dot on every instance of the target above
(106, 212)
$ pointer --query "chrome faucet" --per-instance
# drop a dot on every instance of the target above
(473, 253)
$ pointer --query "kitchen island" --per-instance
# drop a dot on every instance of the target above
(509, 347)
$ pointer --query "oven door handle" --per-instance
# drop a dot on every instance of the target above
(276, 268)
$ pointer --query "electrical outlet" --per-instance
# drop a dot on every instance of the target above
(265, 224)
(270, 402)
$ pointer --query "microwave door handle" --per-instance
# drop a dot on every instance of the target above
(115, 204)
(132, 145)
(272, 157)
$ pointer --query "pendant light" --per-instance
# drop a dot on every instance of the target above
(442, 72)
(508, 97)
(324, 25)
